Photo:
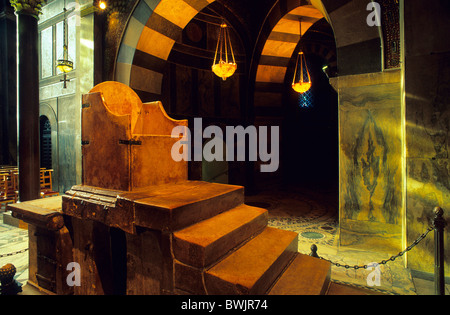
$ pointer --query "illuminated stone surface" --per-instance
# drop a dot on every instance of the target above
(370, 161)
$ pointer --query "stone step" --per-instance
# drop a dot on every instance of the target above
(306, 275)
(253, 268)
(204, 243)
(175, 206)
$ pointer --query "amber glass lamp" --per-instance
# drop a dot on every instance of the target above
(224, 67)
(302, 81)
(64, 64)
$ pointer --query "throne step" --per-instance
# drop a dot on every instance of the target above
(253, 268)
(205, 242)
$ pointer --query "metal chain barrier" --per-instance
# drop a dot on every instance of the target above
(392, 258)
(438, 226)
(14, 253)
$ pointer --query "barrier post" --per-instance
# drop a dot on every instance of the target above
(439, 224)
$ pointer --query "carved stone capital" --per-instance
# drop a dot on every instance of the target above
(29, 7)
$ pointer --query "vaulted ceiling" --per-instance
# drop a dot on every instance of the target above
(269, 33)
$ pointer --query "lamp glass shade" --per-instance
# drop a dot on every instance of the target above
(301, 87)
(223, 67)
(64, 66)
(302, 80)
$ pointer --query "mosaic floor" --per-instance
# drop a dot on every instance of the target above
(312, 212)
(14, 249)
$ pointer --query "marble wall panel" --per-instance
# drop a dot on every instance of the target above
(426, 27)
(69, 143)
(428, 185)
(427, 111)
(370, 163)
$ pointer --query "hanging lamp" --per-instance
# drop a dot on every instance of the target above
(224, 68)
(64, 64)
(302, 80)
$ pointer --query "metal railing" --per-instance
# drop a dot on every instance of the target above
(438, 226)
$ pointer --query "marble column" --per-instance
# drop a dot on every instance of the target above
(28, 97)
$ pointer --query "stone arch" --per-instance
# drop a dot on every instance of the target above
(324, 52)
(279, 40)
(152, 21)
(155, 25)
(359, 46)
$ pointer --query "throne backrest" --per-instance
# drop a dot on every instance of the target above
(126, 145)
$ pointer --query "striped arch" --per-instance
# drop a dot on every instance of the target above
(152, 30)
(323, 51)
(282, 41)
(277, 53)
(155, 25)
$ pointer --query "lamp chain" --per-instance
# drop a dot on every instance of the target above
(65, 47)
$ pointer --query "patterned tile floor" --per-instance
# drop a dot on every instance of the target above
(14, 241)
(311, 213)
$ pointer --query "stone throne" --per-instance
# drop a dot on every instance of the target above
(137, 225)
(125, 141)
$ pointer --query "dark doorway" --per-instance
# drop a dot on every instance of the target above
(311, 134)
(45, 143)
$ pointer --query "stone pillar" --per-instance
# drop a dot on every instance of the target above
(8, 124)
(28, 97)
